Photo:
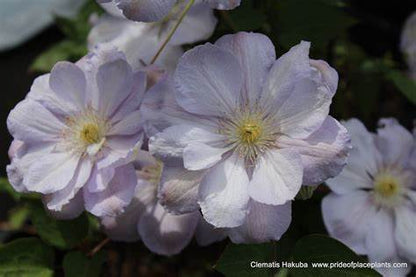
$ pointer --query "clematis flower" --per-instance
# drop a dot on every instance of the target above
(372, 208)
(145, 219)
(78, 130)
(155, 10)
(408, 43)
(257, 128)
(140, 41)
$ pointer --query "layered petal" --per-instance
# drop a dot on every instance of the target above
(145, 10)
(277, 177)
(256, 55)
(346, 218)
(405, 232)
(324, 153)
(298, 92)
(223, 193)
(164, 233)
(117, 195)
(208, 81)
(264, 223)
(207, 234)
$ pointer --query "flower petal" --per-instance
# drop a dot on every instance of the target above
(30, 122)
(363, 160)
(178, 189)
(264, 223)
(68, 82)
(394, 142)
(145, 10)
(256, 55)
(71, 210)
(207, 234)
(197, 156)
(223, 4)
(164, 233)
(277, 177)
(405, 232)
(298, 92)
(51, 173)
(346, 218)
(324, 153)
(117, 195)
(208, 81)
(223, 193)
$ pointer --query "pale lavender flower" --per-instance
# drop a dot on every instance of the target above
(256, 128)
(145, 219)
(408, 44)
(140, 41)
(155, 10)
(79, 128)
(372, 208)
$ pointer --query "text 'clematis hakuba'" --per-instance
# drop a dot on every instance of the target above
(373, 205)
(76, 134)
(155, 10)
(255, 129)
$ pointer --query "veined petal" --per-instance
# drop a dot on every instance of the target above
(68, 82)
(117, 195)
(277, 177)
(164, 233)
(405, 232)
(256, 55)
(324, 153)
(223, 193)
(198, 156)
(346, 218)
(208, 81)
(264, 223)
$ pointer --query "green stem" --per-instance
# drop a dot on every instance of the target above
(172, 32)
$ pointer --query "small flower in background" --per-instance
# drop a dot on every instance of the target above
(76, 134)
(373, 205)
(155, 10)
(163, 233)
(408, 44)
(257, 128)
(140, 41)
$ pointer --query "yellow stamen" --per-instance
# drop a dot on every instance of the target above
(90, 133)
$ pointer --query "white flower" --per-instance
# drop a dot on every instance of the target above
(257, 128)
(373, 205)
(78, 129)
(408, 43)
(155, 10)
(145, 219)
(140, 41)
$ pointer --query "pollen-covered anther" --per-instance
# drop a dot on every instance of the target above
(250, 132)
(90, 133)
(387, 189)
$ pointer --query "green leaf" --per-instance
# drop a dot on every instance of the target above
(76, 264)
(306, 192)
(60, 233)
(7, 188)
(311, 20)
(27, 257)
(18, 216)
(66, 50)
(236, 259)
(323, 249)
(406, 85)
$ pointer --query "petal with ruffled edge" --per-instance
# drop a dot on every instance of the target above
(256, 55)
(324, 153)
(264, 223)
(71, 210)
(208, 81)
(223, 193)
(299, 91)
(277, 177)
(117, 195)
(362, 163)
(346, 218)
(164, 233)
(178, 189)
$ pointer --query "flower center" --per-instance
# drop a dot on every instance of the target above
(386, 186)
(250, 132)
(152, 173)
(85, 133)
(388, 189)
(90, 133)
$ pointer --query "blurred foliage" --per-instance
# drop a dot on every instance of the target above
(358, 38)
